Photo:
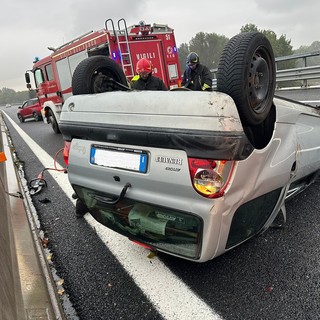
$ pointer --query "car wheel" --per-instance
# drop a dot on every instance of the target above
(247, 73)
(20, 117)
(54, 123)
(36, 116)
(98, 74)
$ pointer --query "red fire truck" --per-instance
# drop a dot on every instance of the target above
(124, 45)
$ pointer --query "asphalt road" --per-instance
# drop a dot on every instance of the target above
(273, 276)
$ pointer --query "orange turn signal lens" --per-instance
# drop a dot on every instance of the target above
(3, 157)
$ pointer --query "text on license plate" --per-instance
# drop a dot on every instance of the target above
(134, 160)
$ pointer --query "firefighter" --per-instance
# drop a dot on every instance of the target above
(146, 81)
(197, 77)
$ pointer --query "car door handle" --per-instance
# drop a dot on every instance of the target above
(112, 201)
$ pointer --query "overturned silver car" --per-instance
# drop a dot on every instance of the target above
(192, 174)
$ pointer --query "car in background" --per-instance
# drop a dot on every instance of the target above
(30, 109)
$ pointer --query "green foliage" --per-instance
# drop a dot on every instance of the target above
(10, 96)
(249, 27)
(183, 52)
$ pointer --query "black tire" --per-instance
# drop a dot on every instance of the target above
(54, 123)
(247, 73)
(20, 117)
(36, 116)
(98, 74)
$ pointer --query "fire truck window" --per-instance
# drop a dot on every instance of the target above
(38, 76)
(75, 59)
(66, 67)
(64, 72)
(49, 72)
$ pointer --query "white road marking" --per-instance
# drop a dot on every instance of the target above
(170, 296)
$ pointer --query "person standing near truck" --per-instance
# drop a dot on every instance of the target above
(145, 80)
(197, 77)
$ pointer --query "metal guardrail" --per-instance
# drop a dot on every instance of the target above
(303, 73)
(303, 56)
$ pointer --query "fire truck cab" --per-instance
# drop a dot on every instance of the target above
(124, 45)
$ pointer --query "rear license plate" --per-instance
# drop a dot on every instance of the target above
(127, 159)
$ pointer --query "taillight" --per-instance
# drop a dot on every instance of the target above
(210, 177)
(66, 151)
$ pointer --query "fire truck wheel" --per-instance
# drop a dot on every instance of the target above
(98, 74)
(54, 123)
(246, 72)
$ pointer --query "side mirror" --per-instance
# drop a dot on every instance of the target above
(27, 77)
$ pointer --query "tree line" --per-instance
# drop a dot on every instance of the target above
(10, 96)
(209, 47)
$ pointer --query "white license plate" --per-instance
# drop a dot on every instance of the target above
(134, 160)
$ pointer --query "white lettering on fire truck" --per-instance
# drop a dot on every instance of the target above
(147, 55)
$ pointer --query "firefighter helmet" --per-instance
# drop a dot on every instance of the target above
(144, 65)
(192, 58)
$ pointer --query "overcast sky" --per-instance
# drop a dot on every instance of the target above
(27, 28)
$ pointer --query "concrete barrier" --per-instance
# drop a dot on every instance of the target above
(27, 290)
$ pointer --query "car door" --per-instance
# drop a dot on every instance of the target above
(29, 108)
(24, 110)
(33, 107)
